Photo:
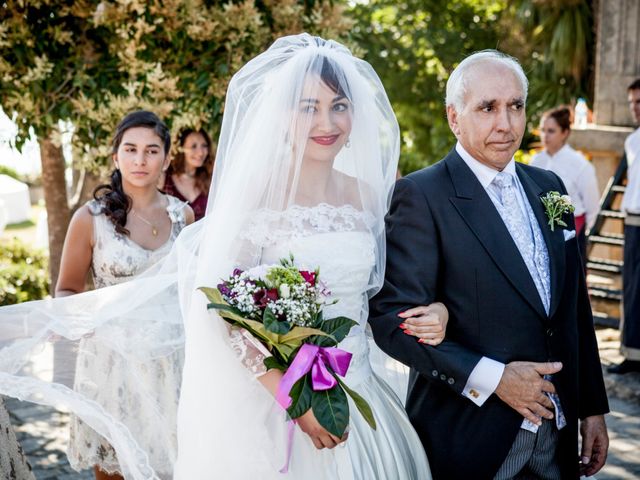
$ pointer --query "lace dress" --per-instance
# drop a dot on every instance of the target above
(102, 374)
(337, 240)
(13, 464)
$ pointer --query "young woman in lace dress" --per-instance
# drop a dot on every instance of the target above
(127, 227)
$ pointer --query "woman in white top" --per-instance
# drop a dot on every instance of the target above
(576, 172)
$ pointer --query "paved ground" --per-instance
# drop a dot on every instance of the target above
(43, 431)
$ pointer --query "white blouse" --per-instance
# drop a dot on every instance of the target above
(631, 199)
(578, 176)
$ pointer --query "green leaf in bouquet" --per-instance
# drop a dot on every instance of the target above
(285, 351)
(272, 323)
(300, 394)
(298, 334)
(213, 295)
(337, 329)
(217, 302)
(361, 404)
(331, 409)
(258, 330)
(274, 363)
(317, 320)
(225, 309)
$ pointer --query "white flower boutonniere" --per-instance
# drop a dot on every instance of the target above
(556, 205)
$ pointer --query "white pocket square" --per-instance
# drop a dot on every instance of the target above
(569, 234)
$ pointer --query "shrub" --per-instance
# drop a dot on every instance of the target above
(24, 274)
(4, 170)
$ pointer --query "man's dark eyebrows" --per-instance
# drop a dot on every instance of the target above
(487, 103)
(517, 101)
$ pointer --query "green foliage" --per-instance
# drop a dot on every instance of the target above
(4, 170)
(92, 61)
(556, 45)
(331, 409)
(413, 45)
(300, 394)
(23, 273)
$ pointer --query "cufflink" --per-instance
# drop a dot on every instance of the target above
(474, 393)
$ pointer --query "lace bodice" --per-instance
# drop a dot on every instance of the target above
(336, 240)
(116, 258)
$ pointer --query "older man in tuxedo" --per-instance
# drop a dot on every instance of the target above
(518, 373)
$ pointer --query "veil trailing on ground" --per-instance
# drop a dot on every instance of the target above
(306, 125)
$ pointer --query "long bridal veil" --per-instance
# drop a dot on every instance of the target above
(227, 425)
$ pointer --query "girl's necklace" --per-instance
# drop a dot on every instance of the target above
(154, 229)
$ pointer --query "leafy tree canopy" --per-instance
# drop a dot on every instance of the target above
(414, 45)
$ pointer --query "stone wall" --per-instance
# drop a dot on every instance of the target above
(617, 59)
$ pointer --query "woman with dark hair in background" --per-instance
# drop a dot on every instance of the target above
(127, 227)
(576, 172)
(189, 175)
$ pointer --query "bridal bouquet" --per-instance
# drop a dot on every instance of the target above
(281, 306)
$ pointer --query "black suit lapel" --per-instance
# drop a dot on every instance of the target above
(477, 210)
(554, 240)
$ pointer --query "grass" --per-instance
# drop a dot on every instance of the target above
(20, 225)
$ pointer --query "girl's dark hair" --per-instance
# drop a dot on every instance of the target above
(562, 115)
(204, 172)
(115, 203)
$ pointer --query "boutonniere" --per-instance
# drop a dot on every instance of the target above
(555, 206)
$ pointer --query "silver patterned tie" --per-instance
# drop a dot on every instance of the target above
(513, 216)
(521, 231)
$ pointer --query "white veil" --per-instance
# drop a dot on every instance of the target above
(228, 425)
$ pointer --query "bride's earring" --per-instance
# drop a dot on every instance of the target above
(348, 143)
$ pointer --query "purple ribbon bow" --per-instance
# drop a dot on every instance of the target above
(310, 357)
(314, 358)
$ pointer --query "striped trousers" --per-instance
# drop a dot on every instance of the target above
(532, 455)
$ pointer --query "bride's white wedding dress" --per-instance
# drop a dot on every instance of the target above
(336, 240)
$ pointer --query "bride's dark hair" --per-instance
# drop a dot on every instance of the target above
(115, 203)
(332, 77)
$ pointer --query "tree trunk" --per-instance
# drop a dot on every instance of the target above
(83, 191)
(55, 197)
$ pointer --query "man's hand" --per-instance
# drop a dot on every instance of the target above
(595, 443)
(522, 388)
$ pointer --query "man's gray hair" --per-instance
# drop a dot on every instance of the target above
(457, 85)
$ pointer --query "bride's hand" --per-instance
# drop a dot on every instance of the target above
(428, 324)
(319, 436)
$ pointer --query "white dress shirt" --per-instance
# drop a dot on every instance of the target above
(486, 375)
(578, 176)
(631, 199)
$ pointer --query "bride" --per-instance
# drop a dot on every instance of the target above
(305, 166)
(314, 146)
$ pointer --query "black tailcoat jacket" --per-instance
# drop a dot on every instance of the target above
(447, 242)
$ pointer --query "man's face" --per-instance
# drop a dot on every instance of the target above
(634, 104)
(491, 124)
